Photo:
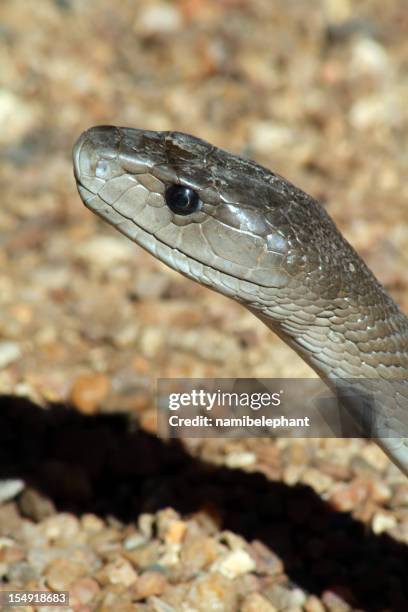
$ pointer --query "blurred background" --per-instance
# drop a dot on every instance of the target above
(318, 92)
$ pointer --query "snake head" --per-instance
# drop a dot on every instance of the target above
(221, 220)
(137, 180)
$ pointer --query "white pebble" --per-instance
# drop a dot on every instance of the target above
(236, 563)
(158, 19)
(376, 110)
(268, 136)
(240, 460)
(383, 522)
(105, 251)
(9, 488)
(369, 57)
(16, 117)
(9, 353)
(121, 572)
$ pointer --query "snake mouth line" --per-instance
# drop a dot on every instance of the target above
(89, 196)
(172, 249)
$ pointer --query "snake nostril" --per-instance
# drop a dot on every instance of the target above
(102, 169)
(182, 200)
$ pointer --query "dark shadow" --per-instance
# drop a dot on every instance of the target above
(100, 465)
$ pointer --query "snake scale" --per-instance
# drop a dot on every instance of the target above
(248, 233)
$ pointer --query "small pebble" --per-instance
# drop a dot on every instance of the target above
(381, 492)
(89, 391)
(313, 604)
(383, 522)
(314, 478)
(240, 459)
(346, 497)
(199, 552)
(144, 556)
(16, 116)
(34, 505)
(61, 573)
(165, 519)
(233, 564)
(159, 19)
(376, 110)
(92, 523)
(105, 252)
(337, 11)
(158, 605)
(257, 603)
(334, 603)
(83, 591)
(292, 474)
(375, 456)
(175, 532)
(284, 598)
(151, 342)
(10, 488)
(148, 584)
(9, 353)
(170, 556)
(62, 526)
(267, 562)
(10, 553)
(150, 286)
(145, 523)
(212, 592)
(369, 58)
(120, 571)
(134, 541)
(266, 136)
(126, 335)
(400, 498)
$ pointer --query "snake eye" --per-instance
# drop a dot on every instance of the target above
(182, 200)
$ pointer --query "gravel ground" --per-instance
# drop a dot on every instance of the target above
(91, 499)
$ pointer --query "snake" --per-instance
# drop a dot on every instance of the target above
(246, 232)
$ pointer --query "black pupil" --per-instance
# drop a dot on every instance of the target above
(182, 200)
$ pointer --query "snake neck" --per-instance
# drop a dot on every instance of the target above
(346, 339)
(375, 354)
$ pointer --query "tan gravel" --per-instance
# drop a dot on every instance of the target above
(91, 500)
